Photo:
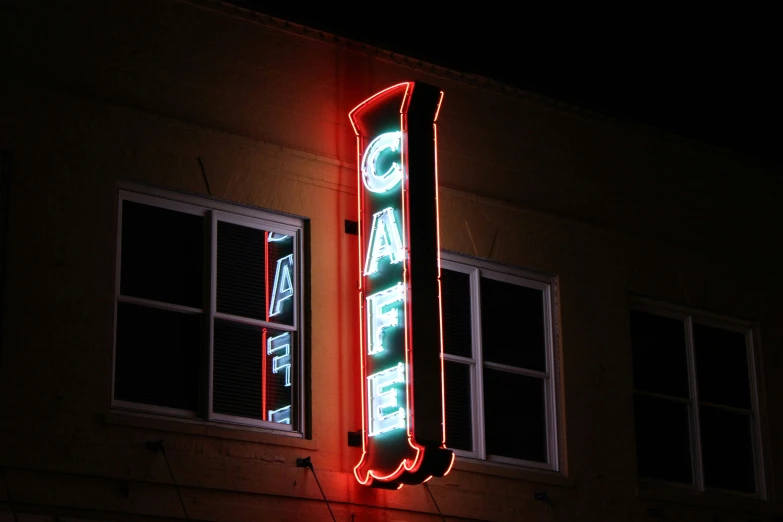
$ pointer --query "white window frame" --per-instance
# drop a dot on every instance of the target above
(690, 316)
(213, 211)
(477, 269)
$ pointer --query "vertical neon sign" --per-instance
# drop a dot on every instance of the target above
(399, 295)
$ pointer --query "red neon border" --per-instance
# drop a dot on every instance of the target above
(263, 335)
(404, 465)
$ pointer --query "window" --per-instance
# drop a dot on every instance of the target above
(208, 311)
(695, 408)
(499, 357)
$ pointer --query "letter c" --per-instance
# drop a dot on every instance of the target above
(372, 180)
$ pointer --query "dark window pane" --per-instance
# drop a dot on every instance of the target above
(459, 425)
(238, 369)
(281, 279)
(726, 450)
(721, 366)
(512, 325)
(240, 362)
(457, 338)
(515, 416)
(663, 449)
(659, 357)
(157, 357)
(162, 255)
(241, 286)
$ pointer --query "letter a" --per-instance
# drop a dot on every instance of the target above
(385, 241)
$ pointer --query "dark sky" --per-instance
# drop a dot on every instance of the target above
(710, 76)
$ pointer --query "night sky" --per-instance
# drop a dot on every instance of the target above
(709, 76)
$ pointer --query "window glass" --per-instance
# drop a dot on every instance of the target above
(162, 255)
(157, 356)
(663, 444)
(459, 417)
(241, 356)
(659, 350)
(515, 416)
(727, 449)
(721, 366)
(512, 325)
(455, 302)
(241, 261)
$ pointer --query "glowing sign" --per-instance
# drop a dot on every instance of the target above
(385, 241)
(378, 320)
(283, 288)
(390, 141)
(399, 295)
(385, 413)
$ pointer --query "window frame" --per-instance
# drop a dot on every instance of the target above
(214, 210)
(689, 317)
(5, 212)
(476, 269)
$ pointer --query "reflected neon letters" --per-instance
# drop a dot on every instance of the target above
(385, 413)
(283, 288)
(281, 343)
(280, 415)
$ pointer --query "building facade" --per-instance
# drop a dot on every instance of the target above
(180, 307)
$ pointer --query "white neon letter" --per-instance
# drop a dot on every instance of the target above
(385, 241)
(381, 183)
(280, 415)
(274, 236)
(383, 398)
(378, 320)
(283, 288)
(281, 362)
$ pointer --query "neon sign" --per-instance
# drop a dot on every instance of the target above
(385, 241)
(378, 320)
(400, 322)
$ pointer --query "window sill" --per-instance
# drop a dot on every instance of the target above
(674, 494)
(496, 469)
(208, 429)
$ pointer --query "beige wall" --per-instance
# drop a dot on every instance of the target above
(97, 92)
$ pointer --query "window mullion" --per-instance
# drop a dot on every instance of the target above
(549, 384)
(117, 281)
(755, 431)
(479, 435)
(212, 308)
(697, 464)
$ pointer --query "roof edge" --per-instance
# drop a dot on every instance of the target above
(471, 80)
